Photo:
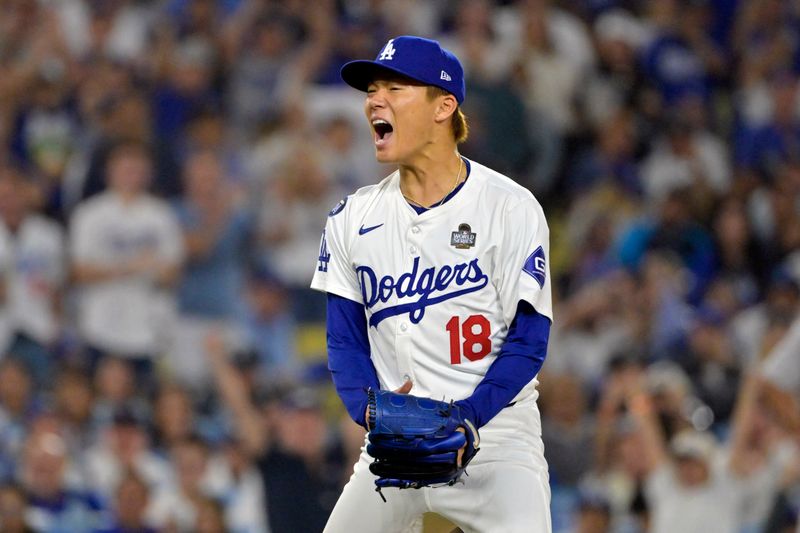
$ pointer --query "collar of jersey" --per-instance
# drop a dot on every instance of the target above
(420, 210)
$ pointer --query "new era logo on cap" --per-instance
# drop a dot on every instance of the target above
(420, 59)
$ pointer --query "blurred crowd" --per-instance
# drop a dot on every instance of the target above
(166, 168)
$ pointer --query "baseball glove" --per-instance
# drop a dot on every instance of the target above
(415, 441)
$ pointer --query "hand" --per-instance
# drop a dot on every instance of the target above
(215, 346)
(144, 264)
(405, 388)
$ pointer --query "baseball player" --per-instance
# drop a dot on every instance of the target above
(438, 285)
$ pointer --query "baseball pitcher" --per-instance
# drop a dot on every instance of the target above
(439, 312)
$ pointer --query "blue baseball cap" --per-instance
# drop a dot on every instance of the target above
(417, 58)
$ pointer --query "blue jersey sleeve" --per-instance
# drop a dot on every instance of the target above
(520, 359)
(348, 355)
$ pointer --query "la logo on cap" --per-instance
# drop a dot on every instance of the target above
(388, 51)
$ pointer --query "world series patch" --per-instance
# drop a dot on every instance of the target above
(463, 238)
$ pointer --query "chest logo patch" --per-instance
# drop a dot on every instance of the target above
(464, 238)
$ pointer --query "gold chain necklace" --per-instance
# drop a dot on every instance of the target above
(437, 204)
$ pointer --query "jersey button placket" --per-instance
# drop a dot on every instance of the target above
(413, 239)
(404, 338)
(404, 347)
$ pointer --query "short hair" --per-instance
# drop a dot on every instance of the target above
(458, 121)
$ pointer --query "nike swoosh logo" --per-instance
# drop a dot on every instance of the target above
(362, 230)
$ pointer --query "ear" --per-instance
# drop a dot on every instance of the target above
(445, 108)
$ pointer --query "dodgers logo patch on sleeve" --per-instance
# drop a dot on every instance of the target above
(535, 266)
(324, 256)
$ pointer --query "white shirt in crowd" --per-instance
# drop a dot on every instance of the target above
(34, 276)
(243, 499)
(782, 365)
(127, 315)
(664, 171)
(713, 506)
(105, 471)
(5, 319)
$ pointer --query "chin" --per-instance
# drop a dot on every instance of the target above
(385, 157)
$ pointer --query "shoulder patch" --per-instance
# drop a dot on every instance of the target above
(535, 266)
(338, 207)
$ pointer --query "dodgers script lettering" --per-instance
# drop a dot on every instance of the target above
(428, 284)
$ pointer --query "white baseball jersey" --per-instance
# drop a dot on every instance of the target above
(35, 276)
(126, 315)
(440, 288)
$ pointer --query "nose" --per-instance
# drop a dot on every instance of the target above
(376, 99)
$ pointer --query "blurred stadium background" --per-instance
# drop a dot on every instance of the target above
(166, 167)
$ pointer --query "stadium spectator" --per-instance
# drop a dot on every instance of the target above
(271, 326)
(610, 160)
(71, 402)
(686, 158)
(174, 417)
(115, 390)
(126, 255)
(131, 500)
(13, 507)
(54, 505)
(567, 429)
(35, 276)
(242, 498)
(211, 517)
(216, 234)
(175, 505)
(686, 476)
(617, 83)
(122, 449)
(290, 222)
(300, 466)
(19, 405)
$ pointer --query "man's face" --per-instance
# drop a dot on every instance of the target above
(129, 173)
(401, 116)
(132, 500)
(12, 201)
(692, 472)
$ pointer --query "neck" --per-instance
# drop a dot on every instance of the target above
(127, 196)
(12, 224)
(429, 180)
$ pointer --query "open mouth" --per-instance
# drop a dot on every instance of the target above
(383, 131)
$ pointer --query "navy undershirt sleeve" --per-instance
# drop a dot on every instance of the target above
(520, 359)
(348, 355)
